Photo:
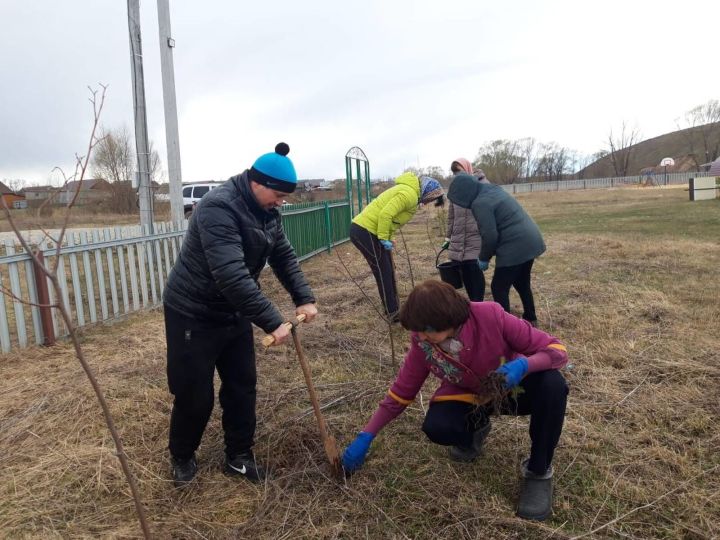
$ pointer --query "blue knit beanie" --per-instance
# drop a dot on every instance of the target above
(275, 170)
(430, 189)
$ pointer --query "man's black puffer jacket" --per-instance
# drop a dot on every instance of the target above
(228, 242)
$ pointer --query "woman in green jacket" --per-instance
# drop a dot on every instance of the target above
(372, 229)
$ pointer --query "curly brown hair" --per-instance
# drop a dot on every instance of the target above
(434, 306)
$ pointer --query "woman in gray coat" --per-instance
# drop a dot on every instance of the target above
(508, 233)
(463, 240)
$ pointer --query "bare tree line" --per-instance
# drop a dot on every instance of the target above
(114, 161)
(504, 161)
(704, 118)
(509, 161)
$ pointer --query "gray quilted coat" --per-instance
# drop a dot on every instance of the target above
(462, 230)
(465, 240)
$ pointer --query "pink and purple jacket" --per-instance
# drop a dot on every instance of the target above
(490, 337)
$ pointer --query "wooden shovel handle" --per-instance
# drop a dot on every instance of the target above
(269, 339)
(328, 440)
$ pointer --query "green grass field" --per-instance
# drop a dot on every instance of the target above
(629, 283)
(646, 212)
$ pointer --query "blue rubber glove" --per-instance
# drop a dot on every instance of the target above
(484, 265)
(387, 244)
(354, 455)
(514, 371)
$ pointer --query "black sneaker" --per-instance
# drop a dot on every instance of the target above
(245, 465)
(465, 454)
(183, 471)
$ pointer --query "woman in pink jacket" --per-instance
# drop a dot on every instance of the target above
(461, 343)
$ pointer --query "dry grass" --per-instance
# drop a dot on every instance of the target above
(81, 217)
(633, 297)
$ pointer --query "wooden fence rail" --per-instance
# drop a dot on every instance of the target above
(103, 275)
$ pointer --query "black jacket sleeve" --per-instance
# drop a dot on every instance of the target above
(222, 244)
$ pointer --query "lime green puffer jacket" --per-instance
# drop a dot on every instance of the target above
(392, 209)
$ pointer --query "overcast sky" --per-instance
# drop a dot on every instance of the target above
(411, 82)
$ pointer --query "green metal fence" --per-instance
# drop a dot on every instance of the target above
(317, 226)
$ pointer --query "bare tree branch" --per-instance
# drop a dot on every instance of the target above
(702, 121)
(81, 164)
(621, 148)
(7, 292)
(407, 257)
(374, 306)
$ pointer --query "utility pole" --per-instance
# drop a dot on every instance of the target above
(141, 137)
(172, 139)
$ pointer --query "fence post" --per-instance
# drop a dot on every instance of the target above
(328, 227)
(43, 299)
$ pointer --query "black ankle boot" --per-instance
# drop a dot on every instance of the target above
(183, 470)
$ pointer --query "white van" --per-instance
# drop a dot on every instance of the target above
(193, 192)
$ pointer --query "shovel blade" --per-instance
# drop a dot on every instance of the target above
(333, 455)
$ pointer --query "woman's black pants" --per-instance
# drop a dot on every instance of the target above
(544, 398)
(381, 264)
(517, 276)
(473, 279)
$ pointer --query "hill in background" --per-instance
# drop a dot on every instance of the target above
(691, 148)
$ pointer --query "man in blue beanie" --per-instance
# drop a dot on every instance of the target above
(211, 300)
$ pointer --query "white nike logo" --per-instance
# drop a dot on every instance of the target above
(243, 470)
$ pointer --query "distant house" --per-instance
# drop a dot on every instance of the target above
(325, 185)
(38, 193)
(9, 196)
(308, 184)
(90, 190)
(315, 184)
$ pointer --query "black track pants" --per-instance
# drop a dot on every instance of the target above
(194, 350)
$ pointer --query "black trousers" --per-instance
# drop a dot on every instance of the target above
(544, 399)
(194, 350)
(473, 280)
(517, 276)
(381, 264)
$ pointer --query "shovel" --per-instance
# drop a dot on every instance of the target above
(331, 450)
